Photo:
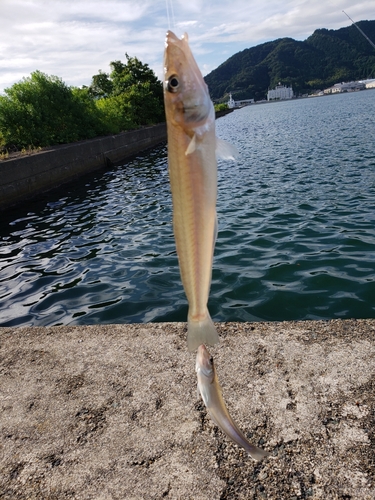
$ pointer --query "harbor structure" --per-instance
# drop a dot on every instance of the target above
(238, 104)
(338, 88)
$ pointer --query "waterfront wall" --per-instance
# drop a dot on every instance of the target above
(223, 112)
(24, 177)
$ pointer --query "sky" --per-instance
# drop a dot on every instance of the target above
(74, 39)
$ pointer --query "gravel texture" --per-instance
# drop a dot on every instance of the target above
(112, 412)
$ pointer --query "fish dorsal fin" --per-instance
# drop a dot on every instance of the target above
(225, 150)
(192, 145)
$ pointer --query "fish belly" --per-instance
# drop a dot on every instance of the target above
(193, 180)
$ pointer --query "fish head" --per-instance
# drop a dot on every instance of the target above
(186, 97)
(205, 364)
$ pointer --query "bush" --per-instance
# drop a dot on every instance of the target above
(115, 114)
(41, 110)
(221, 106)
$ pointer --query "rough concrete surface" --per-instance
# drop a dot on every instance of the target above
(112, 412)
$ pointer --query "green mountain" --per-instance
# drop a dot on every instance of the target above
(325, 58)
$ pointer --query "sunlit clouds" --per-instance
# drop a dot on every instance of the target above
(74, 39)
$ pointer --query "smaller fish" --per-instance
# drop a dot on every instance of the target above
(209, 387)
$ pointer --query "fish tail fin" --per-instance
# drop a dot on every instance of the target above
(201, 332)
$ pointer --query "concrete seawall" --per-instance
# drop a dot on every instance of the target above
(111, 412)
(26, 176)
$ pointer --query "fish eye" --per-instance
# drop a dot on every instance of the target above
(173, 83)
(211, 360)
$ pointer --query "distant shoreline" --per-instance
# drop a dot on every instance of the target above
(273, 101)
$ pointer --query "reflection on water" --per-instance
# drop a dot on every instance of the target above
(296, 228)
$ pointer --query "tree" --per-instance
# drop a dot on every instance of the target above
(116, 114)
(101, 85)
(134, 72)
(133, 92)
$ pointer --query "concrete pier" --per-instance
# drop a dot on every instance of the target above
(112, 412)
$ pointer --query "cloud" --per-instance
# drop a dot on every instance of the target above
(99, 11)
(69, 39)
(73, 39)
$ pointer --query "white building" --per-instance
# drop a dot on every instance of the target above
(338, 88)
(244, 102)
(238, 104)
(280, 92)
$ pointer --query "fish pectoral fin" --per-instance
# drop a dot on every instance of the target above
(216, 230)
(225, 150)
(192, 146)
(204, 395)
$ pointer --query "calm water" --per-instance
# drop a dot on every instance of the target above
(296, 228)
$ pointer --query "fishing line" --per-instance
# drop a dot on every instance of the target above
(170, 13)
(168, 18)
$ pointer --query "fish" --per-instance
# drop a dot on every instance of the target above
(192, 165)
(210, 390)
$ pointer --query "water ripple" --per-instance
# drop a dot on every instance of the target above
(296, 229)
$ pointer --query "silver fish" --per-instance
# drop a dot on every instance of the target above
(192, 165)
(209, 387)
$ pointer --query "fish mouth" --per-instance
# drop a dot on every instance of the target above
(202, 354)
(174, 53)
(174, 46)
(203, 363)
(170, 37)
